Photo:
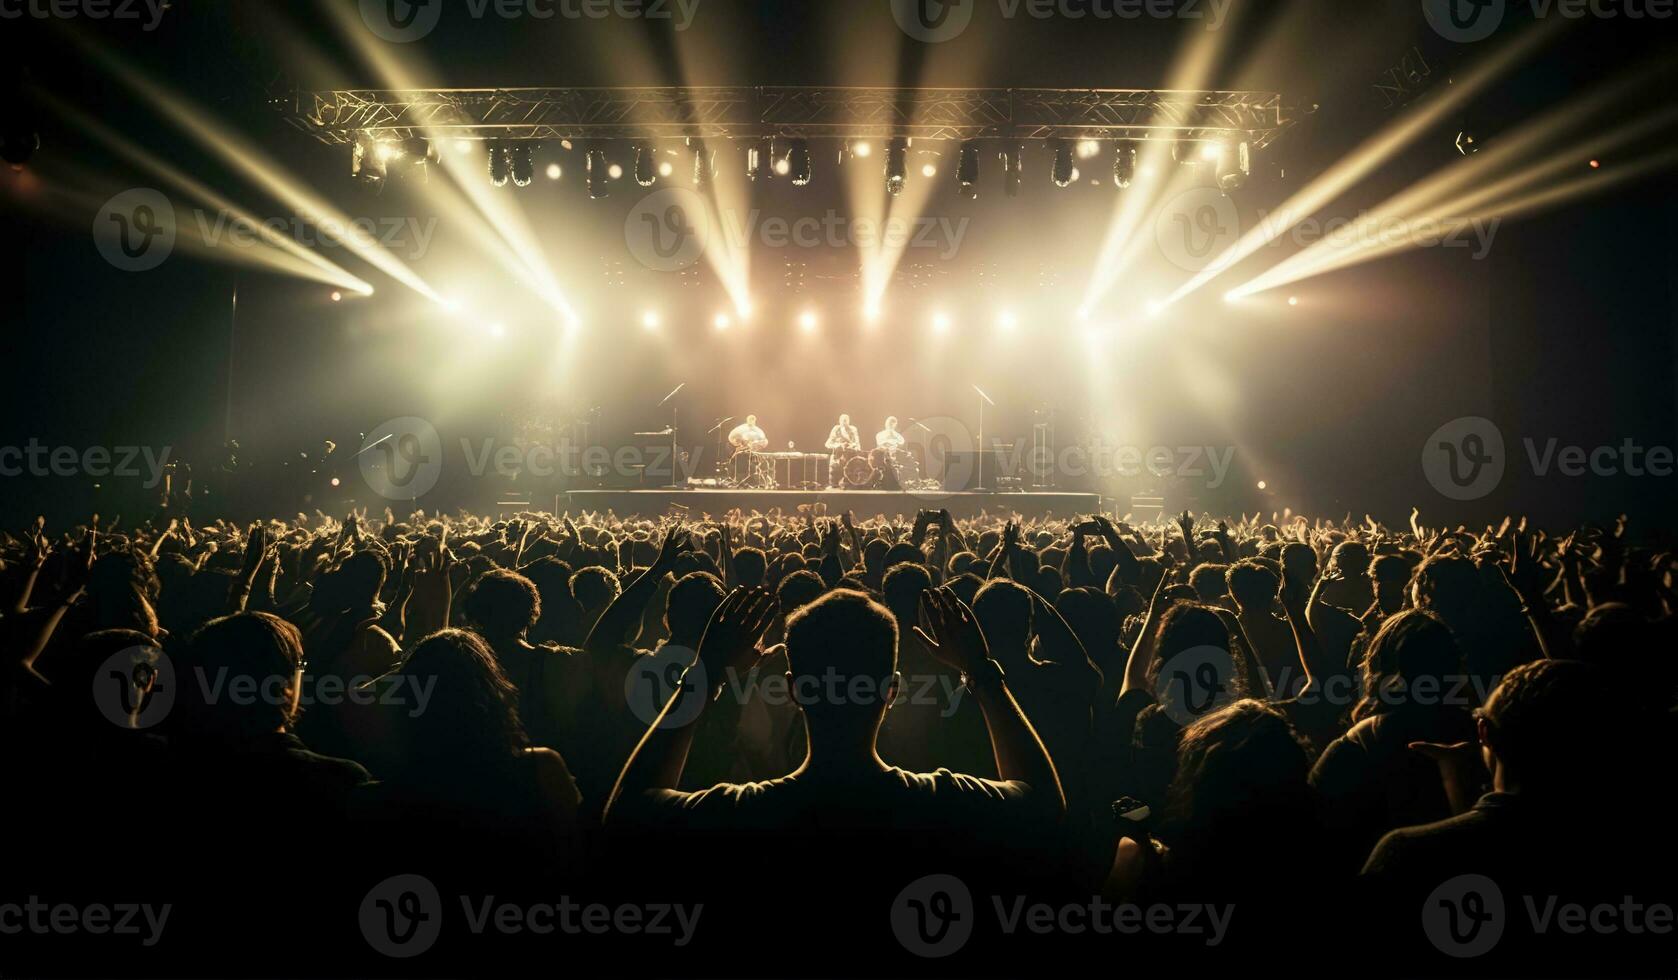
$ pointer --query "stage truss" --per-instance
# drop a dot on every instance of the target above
(757, 112)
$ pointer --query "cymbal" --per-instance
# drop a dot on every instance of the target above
(666, 432)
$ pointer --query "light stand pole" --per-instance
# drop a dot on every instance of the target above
(979, 482)
(673, 485)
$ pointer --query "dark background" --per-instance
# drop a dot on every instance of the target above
(1565, 330)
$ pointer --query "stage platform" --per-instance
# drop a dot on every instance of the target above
(863, 503)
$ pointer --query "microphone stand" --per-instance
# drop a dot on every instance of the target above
(717, 431)
(673, 485)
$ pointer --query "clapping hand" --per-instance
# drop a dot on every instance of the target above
(731, 637)
(950, 632)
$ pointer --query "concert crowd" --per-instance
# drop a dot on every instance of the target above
(812, 743)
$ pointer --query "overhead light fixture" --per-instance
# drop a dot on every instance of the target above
(1234, 166)
(798, 162)
(703, 162)
(554, 171)
(1065, 171)
(897, 167)
(1088, 148)
(1124, 164)
(758, 160)
(646, 171)
(598, 173)
(967, 169)
(523, 164)
(367, 162)
(1013, 170)
(1467, 145)
(862, 149)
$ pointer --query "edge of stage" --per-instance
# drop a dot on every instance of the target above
(864, 503)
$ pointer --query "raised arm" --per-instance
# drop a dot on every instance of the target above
(624, 612)
(952, 635)
(729, 645)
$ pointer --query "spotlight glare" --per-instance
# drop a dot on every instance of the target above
(615, 171)
(336, 481)
(872, 312)
(650, 320)
(807, 321)
(1293, 300)
(1155, 307)
(1088, 148)
(930, 170)
(862, 149)
(463, 146)
(1007, 320)
(743, 310)
(337, 297)
(1262, 485)
(1595, 164)
(941, 322)
(782, 167)
(498, 330)
(554, 173)
(721, 321)
(666, 168)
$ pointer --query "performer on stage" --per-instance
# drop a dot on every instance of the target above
(889, 437)
(748, 436)
(843, 441)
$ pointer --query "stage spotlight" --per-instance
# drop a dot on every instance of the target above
(500, 165)
(1231, 296)
(498, 330)
(1262, 485)
(783, 166)
(703, 162)
(929, 170)
(365, 289)
(597, 174)
(337, 297)
(615, 171)
(1234, 166)
(554, 171)
(1595, 164)
(463, 146)
(645, 171)
(807, 321)
(1013, 170)
(1083, 313)
(1064, 170)
(941, 322)
(872, 312)
(1088, 148)
(1155, 307)
(862, 149)
(1293, 300)
(967, 165)
(367, 162)
(743, 310)
(758, 157)
(1211, 152)
(666, 168)
(721, 321)
(1466, 144)
(897, 167)
(523, 165)
(798, 161)
(1124, 164)
(1007, 320)
(650, 320)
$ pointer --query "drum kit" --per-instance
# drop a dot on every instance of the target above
(881, 469)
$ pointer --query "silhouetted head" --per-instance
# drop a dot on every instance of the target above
(1003, 609)
(1252, 584)
(842, 660)
(1551, 726)
(688, 607)
(1412, 661)
(259, 654)
(1243, 776)
(751, 567)
(472, 716)
(798, 589)
(503, 604)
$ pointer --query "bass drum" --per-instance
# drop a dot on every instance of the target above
(750, 471)
(858, 473)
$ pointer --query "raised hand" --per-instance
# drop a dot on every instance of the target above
(950, 632)
(731, 637)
